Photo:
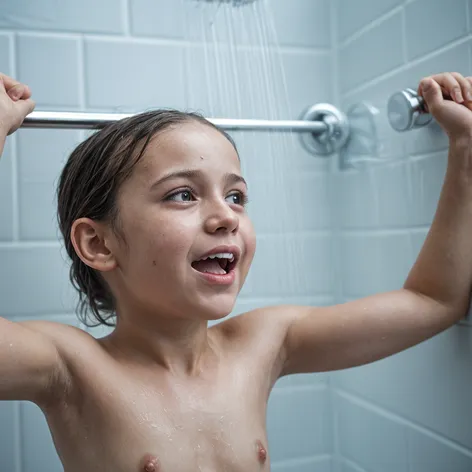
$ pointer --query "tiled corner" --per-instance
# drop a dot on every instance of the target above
(375, 197)
(423, 385)
(366, 257)
(353, 16)
(365, 57)
(341, 464)
(370, 439)
(428, 453)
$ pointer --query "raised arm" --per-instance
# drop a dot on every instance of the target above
(15, 104)
(436, 294)
(30, 365)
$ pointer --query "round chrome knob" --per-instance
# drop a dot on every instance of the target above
(406, 111)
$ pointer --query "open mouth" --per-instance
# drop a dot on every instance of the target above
(218, 264)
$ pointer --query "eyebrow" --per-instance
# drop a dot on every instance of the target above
(230, 178)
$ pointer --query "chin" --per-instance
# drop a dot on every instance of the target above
(217, 309)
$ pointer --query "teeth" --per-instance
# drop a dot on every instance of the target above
(222, 255)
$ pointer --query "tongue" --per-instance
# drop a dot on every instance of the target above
(211, 266)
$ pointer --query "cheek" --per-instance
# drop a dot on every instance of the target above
(250, 242)
(158, 243)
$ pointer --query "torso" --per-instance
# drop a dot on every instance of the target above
(125, 418)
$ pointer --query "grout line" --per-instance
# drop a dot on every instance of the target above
(382, 411)
(371, 25)
(467, 13)
(405, 67)
(317, 298)
(155, 40)
(14, 149)
(299, 461)
(81, 70)
(18, 437)
(289, 389)
(384, 230)
(335, 226)
(30, 244)
(126, 6)
(404, 42)
(353, 465)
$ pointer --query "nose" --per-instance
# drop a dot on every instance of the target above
(221, 218)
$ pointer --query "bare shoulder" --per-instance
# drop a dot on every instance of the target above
(69, 341)
(59, 333)
(260, 334)
(271, 320)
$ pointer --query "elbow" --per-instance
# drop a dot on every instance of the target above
(451, 309)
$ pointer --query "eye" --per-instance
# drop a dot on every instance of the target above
(237, 198)
(185, 196)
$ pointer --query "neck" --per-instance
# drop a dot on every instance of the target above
(180, 346)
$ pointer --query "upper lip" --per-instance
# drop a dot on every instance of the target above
(219, 249)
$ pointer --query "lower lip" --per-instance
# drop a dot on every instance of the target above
(217, 279)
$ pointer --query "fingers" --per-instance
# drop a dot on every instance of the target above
(432, 93)
(446, 85)
(15, 90)
(453, 85)
(19, 92)
(26, 106)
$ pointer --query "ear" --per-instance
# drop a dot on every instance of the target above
(91, 242)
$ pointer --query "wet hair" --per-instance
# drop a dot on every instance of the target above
(89, 185)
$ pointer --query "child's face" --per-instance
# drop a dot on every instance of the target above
(171, 224)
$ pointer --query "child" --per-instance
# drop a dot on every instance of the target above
(143, 204)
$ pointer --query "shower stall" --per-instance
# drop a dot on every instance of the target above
(344, 169)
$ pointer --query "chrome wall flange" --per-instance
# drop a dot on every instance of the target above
(331, 141)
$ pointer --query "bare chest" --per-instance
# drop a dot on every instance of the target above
(134, 425)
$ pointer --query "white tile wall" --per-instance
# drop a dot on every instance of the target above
(405, 413)
(58, 61)
(131, 55)
(87, 16)
(408, 412)
(132, 76)
(39, 163)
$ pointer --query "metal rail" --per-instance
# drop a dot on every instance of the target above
(78, 120)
